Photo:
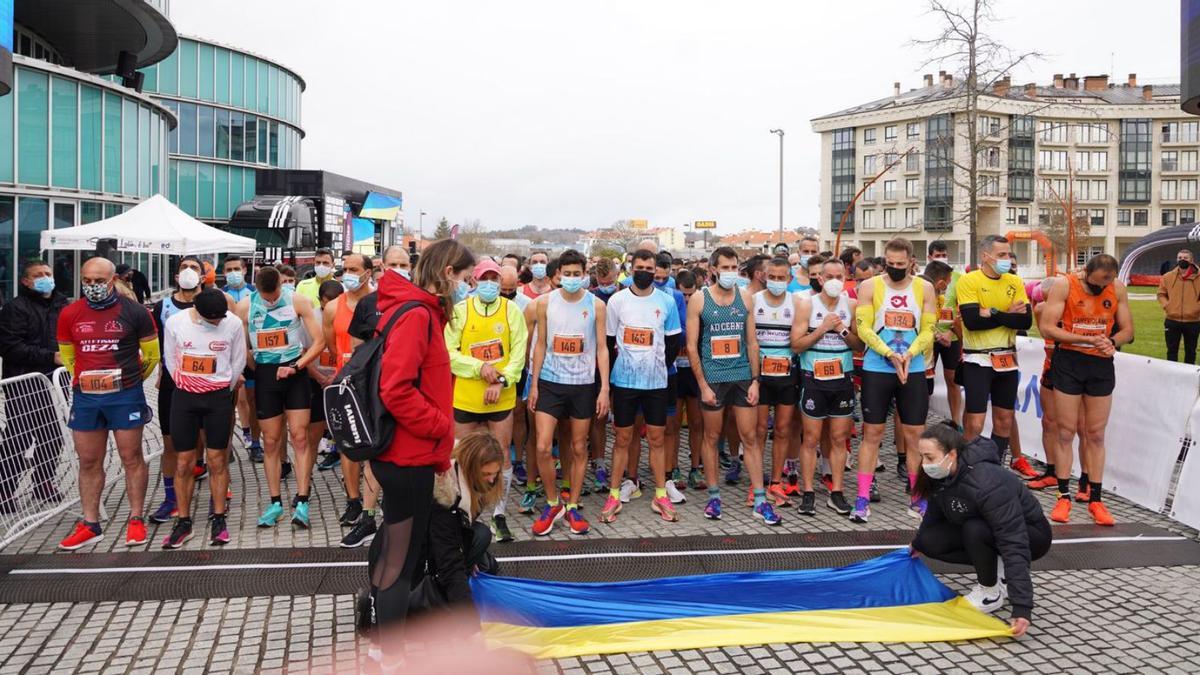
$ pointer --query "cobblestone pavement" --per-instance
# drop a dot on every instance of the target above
(1120, 620)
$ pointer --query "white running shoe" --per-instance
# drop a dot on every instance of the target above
(1000, 577)
(674, 494)
(987, 600)
(629, 490)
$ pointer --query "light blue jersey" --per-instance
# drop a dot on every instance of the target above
(640, 325)
(276, 333)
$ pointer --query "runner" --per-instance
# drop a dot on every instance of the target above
(1079, 316)
(204, 350)
(825, 337)
(724, 351)
(775, 311)
(540, 285)
(234, 269)
(275, 319)
(940, 276)
(323, 268)
(321, 374)
(643, 331)
(994, 307)
(664, 282)
(605, 286)
(688, 394)
(487, 340)
(895, 317)
(947, 345)
(569, 349)
(799, 264)
(522, 451)
(109, 345)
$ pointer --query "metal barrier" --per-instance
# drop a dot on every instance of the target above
(39, 470)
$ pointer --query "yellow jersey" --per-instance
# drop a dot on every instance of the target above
(976, 288)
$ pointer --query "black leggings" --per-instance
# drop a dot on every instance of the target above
(396, 550)
(972, 543)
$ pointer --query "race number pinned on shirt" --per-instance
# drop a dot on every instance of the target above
(897, 320)
(726, 346)
(199, 364)
(271, 338)
(490, 351)
(776, 366)
(100, 381)
(1005, 361)
(637, 338)
(568, 345)
(828, 369)
(1090, 329)
(946, 315)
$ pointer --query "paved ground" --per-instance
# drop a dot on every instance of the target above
(1125, 620)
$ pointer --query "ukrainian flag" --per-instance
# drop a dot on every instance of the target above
(892, 598)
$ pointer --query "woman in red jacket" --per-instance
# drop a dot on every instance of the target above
(417, 389)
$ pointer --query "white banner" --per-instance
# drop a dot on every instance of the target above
(1186, 506)
(1152, 408)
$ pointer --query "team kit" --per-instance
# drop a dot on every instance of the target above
(797, 352)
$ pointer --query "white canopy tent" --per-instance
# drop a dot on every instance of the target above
(155, 226)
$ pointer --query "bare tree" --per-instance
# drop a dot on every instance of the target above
(622, 234)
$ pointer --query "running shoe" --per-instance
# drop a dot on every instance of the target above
(612, 506)
(827, 481)
(585, 489)
(1042, 482)
(577, 523)
(674, 494)
(500, 529)
(219, 530)
(199, 472)
(837, 502)
(1021, 466)
(916, 508)
(862, 510)
(135, 531)
(247, 439)
(808, 504)
(300, 515)
(723, 456)
(285, 470)
(255, 452)
(712, 510)
(1062, 510)
(353, 510)
(766, 513)
(550, 515)
(179, 534)
(696, 480)
(879, 464)
(332, 460)
(792, 486)
(678, 480)
(519, 473)
(1084, 496)
(601, 475)
(630, 490)
(662, 506)
(734, 474)
(165, 512)
(271, 515)
(902, 470)
(777, 493)
(81, 536)
(1100, 514)
(987, 600)
(528, 502)
(1000, 576)
(874, 493)
(361, 534)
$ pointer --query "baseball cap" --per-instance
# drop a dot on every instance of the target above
(486, 265)
(211, 304)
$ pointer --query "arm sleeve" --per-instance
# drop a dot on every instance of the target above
(672, 343)
(864, 317)
(15, 347)
(612, 352)
(1014, 320)
(924, 336)
(973, 321)
(1000, 506)
(403, 359)
(67, 351)
(150, 356)
(519, 337)
(461, 364)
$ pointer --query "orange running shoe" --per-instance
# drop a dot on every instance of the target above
(1100, 514)
(1084, 496)
(135, 531)
(750, 498)
(80, 536)
(778, 493)
(1042, 482)
(1021, 466)
(1062, 510)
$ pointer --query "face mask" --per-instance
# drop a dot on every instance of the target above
(572, 284)
(896, 273)
(1003, 266)
(643, 278)
(351, 282)
(189, 279)
(322, 271)
(797, 270)
(815, 283)
(937, 471)
(804, 260)
(728, 280)
(607, 290)
(404, 273)
(488, 291)
(539, 270)
(833, 287)
(1183, 264)
(1094, 289)
(96, 293)
(777, 288)
(511, 295)
(743, 282)
(461, 291)
(235, 279)
(44, 285)
(289, 285)
(660, 284)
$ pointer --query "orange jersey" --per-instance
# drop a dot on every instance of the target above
(1087, 314)
(342, 347)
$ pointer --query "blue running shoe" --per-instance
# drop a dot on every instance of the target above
(528, 502)
(712, 510)
(766, 512)
(300, 515)
(601, 478)
(165, 512)
(255, 452)
(862, 510)
(734, 474)
(519, 473)
(271, 516)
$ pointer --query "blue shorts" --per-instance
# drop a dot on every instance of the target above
(108, 412)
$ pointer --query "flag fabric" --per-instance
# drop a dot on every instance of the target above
(892, 598)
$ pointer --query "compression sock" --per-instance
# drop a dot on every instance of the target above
(502, 505)
(864, 484)
(660, 492)
(276, 499)
(714, 492)
(1049, 470)
(301, 499)
(1001, 445)
(169, 488)
(1083, 481)
(1097, 492)
(615, 493)
(1064, 487)
(760, 497)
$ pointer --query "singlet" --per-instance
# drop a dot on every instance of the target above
(897, 323)
(108, 355)
(163, 310)
(489, 339)
(773, 329)
(995, 294)
(238, 293)
(570, 340)
(1087, 314)
(947, 305)
(276, 333)
(342, 346)
(204, 358)
(640, 324)
(722, 340)
(527, 291)
(829, 363)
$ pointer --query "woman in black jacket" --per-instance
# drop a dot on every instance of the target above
(981, 515)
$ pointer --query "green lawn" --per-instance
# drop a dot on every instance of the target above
(1148, 339)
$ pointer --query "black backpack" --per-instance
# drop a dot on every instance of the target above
(360, 424)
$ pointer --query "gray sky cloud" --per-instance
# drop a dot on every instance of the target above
(573, 114)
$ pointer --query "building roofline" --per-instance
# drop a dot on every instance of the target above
(247, 52)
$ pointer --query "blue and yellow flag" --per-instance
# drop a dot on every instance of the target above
(892, 598)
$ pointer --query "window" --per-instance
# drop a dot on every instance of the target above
(989, 125)
(1010, 216)
(222, 76)
(91, 160)
(869, 164)
(187, 129)
(1052, 132)
(912, 161)
(1170, 160)
(1096, 217)
(1168, 217)
(1135, 167)
(236, 136)
(889, 158)
(868, 219)
(889, 133)
(889, 190)
(1123, 218)
(1090, 190)
(206, 118)
(911, 188)
(33, 216)
(1091, 161)
(1187, 190)
(187, 187)
(251, 139)
(989, 158)
(913, 130)
(205, 74)
(1169, 190)
(204, 191)
(1187, 216)
(1180, 132)
(1052, 160)
(1187, 160)
(868, 136)
(187, 68)
(64, 111)
(33, 132)
(1141, 217)
(843, 182)
(1053, 189)
(989, 186)
(129, 147)
(889, 219)
(222, 134)
(910, 219)
(1091, 132)
(869, 193)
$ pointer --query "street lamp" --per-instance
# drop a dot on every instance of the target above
(780, 132)
(421, 227)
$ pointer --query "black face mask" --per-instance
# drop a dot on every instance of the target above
(643, 278)
(815, 283)
(1183, 264)
(1094, 289)
(896, 273)
(510, 296)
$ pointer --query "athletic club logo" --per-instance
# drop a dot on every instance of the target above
(85, 327)
(113, 327)
(498, 329)
(1107, 303)
(218, 345)
(899, 301)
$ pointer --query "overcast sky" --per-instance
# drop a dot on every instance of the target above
(577, 114)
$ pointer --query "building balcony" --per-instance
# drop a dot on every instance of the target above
(1177, 199)
(990, 168)
(934, 226)
(1180, 139)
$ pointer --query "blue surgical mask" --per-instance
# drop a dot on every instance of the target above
(743, 282)
(235, 279)
(351, 282)
(572, 284)
(777, 288)
(798, 270)
(404, 273)
(660, 284)
(607, 290)
(488, 291)
(938, 470)
(539, 270)
(289, 286)
(461, 291)
(804, 260)
(1003, 266)
(44, 285)
(728, 280)
(322, 271)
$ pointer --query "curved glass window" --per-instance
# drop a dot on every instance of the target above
(237, 79)
(143, 154)
(187, 128)
(205, 76)
(187, 68)
(64, 113)
(33, 101)
(222, 76)
(206, 117)
(91, 108)
(129, 146)
(112, 142)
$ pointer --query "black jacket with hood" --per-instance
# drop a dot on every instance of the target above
(982, 488)
(28, 332)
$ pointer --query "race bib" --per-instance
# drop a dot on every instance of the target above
(100, 381)
(327, 359)
(776, 366)
(828, 369)
(897, 320)
(726, 346)
(1003, 362)
(568, 345)
(199, 364)
(490, 351)
(946, 315)
(1089, 329)
(271, 338)
(638, 338)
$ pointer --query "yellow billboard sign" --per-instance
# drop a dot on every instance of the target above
(639, 224)
(706, 225)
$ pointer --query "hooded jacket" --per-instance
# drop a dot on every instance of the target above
(449, 537)
(1181, 295)
(28, 332)
(416, 349)
(981, 488)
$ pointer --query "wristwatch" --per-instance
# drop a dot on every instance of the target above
(503, 381)
(844, 332)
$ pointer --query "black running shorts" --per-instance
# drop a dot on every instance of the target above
(880, 390)
(212, 412)
(577, 401)
(650, 403)
(273, 396)
(1076, 373)
(983, 384)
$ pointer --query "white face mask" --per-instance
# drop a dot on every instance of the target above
(189, 279)
(322, 271)
(833, 288)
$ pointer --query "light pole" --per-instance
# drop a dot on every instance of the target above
(780, 132)
(421, 227)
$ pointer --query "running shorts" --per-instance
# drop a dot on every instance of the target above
(317, 409)
(1078, 374)
(880, 390)
(950, 354)
(688, 386)
(729, 393)
(468, 417)
(578, 401)
(166, 390)
(983, 383)
(819, 404)
(777, 393)
(651, 403)
(109, 412)
(273, 396)
(212, 412)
